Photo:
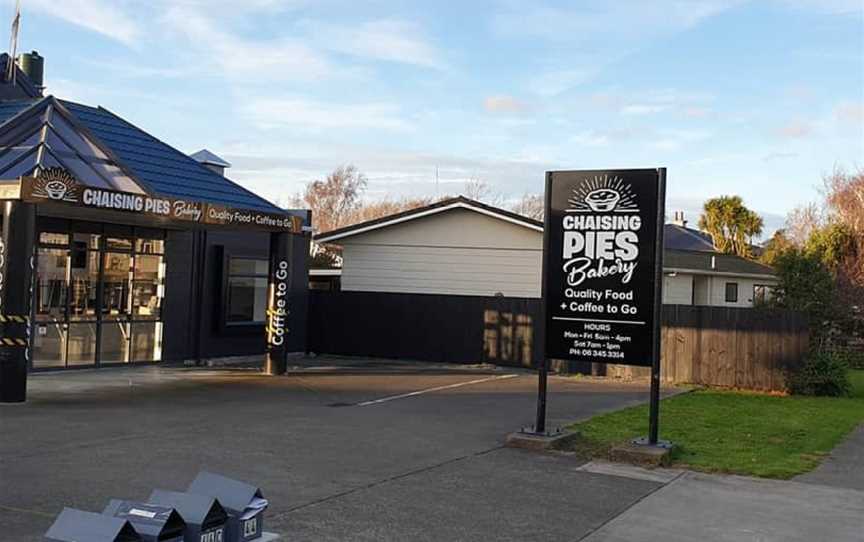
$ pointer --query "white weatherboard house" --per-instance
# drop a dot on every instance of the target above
(462, 247)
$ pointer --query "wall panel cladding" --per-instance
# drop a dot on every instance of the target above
(714, 346)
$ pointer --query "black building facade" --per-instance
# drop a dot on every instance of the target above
(116, 248)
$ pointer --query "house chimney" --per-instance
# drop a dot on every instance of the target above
(33, 66)
(211, 161)
(678, 219)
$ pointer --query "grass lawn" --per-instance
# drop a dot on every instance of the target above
(737, 432)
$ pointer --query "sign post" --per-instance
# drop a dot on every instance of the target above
(603, 272)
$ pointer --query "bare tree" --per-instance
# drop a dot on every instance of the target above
(530, 205)
(479, 190)
(335, 199)
(801, 222)
(386, 207)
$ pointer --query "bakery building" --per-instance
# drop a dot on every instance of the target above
(116, 248)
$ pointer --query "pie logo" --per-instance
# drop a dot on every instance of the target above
(603, 194)
(56, 184)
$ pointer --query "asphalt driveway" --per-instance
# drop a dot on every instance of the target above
(346, 450)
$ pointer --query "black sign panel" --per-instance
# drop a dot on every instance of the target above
(56, 185)
(603, 265)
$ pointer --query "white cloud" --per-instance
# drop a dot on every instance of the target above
(826, 6)
(98, 16)
(605, 24)
(388, 40)
(795, 129)
(504, 104)
(850, 113)
(554, 82)
(240, 58)
(642, 109)
(301, 114)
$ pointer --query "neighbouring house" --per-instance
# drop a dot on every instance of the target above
(459, 246)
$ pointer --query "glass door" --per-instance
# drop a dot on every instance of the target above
(116, 307)
(52, 276)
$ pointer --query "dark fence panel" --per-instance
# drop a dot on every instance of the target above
(716, 346)
(441, 328)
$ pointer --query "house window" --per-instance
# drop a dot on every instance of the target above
(246, 291)
(731, 292)
(761, 294)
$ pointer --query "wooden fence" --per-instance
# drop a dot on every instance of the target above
(736, 348)
(715, 346)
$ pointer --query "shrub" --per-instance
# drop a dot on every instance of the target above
(824, 373)
(854, 359)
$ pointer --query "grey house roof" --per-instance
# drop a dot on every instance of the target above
(712, 262)
(156, 166)
(682, 238)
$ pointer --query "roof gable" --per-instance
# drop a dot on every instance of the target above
(46, 136)
(166, 170)
(436, 208)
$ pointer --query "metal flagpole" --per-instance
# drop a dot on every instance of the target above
(13, 44)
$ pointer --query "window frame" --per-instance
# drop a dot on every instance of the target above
(735, 297)
(766, 294)
(227, 325)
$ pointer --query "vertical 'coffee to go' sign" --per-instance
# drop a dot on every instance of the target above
(603, 265)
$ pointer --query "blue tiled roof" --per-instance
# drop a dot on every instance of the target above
(163, 169)
(9, 109)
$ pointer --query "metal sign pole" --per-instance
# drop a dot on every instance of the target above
(540, 424)
(654, 415)
(543, 374)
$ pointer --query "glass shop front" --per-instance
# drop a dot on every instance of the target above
(99, 292)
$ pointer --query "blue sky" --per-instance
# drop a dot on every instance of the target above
(756, 98)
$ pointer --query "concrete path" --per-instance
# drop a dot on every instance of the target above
(697, 506)
(335, 460)
(844, 467)
(370, 452)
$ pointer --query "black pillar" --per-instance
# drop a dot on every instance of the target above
(288, 300)
(279, 304)
(16, 292)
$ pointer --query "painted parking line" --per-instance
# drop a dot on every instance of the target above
(437, 388)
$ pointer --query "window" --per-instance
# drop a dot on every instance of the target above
(731, 292)
(761, 294)
(98, 295)
(246, 291)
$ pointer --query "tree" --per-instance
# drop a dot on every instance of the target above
(334, 200)
(479, 190)
(802, 221)
(385, 207)
(531, 205)
(806, 284)
(731, 224)
(775, 247)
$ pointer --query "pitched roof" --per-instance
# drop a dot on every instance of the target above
(460, 202)
(683, 238)
(168, 171)
(712, 263)
(155, 166)
(46, 136)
